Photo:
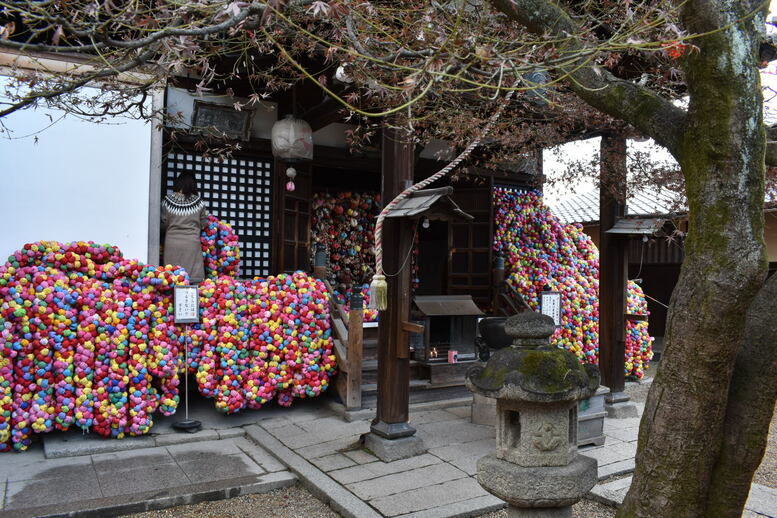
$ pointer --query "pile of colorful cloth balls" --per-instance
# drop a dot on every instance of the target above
(88, 340)
(344, 223)
(542, 252)
(220, 249)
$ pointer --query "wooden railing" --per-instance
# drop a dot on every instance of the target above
(507, 301)
(347, 334)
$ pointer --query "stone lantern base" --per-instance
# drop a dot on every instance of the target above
(538, 491)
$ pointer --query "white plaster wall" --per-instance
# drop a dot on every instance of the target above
(81, 181)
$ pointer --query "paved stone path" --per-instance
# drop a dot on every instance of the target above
(261, 450)
(115, 483)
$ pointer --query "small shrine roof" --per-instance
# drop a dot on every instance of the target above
(432, 203)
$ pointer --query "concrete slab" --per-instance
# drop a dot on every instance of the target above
(321, 430)
(616, 468)
(42, 468)
(429, 497)
(628, 434)
(463, 509)
(67, 485)
(333, 462)
(431, 416)
(285, 430)
(202, 451)
(762, 500)
(220, 467)
(452, 432)
(609, 454)
(74, 444)
(128, 460)
(468, 465)
(381, 469)
(611, 493)
(475, 449)
(460, 411)
(360, 456)
(339, 499)
(170, 439)
(151, 477)
(620, 424)
(405, 481)
(152, 500)
(327, 448)
(268, 463)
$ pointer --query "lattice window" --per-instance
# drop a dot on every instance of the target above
(237, 190)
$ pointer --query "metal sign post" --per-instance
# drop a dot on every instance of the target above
(187, 311)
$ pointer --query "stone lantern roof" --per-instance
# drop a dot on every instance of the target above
(531, 369)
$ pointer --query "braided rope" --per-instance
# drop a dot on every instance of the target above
(379, 274)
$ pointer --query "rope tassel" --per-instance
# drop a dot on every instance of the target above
(378, 293)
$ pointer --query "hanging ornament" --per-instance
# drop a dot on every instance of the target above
(291, 174)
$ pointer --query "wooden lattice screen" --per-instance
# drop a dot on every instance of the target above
(239, 191)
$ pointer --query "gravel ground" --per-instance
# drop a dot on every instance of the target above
(582, 509)
(296, 502)
(767, 472)
(290, 502)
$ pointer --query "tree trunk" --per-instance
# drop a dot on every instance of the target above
(750, 409)
(720, 145)
(722, 159)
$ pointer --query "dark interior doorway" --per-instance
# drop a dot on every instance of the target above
(433, 259)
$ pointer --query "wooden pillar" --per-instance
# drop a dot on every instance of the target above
(613, 264)
(391, 420)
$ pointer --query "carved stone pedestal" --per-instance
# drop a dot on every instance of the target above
(536, 468)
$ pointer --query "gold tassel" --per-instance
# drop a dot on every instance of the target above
(378, 293)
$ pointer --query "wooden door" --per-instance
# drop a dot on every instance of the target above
(293, 225)
(469, 258)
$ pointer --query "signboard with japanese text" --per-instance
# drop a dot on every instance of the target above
(187, 305)
(550, 304)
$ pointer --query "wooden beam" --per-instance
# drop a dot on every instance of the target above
(323, 114)
(613, 263)
(412, 327)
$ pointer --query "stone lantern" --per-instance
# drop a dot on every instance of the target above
(536, 468)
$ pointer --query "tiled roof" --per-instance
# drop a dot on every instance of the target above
(584, 208)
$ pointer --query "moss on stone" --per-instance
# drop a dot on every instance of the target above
(545, 371)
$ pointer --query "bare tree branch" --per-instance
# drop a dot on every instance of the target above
(639, 106)
(75, 84)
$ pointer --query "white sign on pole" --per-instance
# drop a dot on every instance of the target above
(550, 304)
(187, 305)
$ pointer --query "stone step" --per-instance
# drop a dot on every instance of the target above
(421, 391)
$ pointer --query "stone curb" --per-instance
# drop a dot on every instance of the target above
(107, 507)
(72, 445)
(464, 509)
(369, 413)
(316, 481)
